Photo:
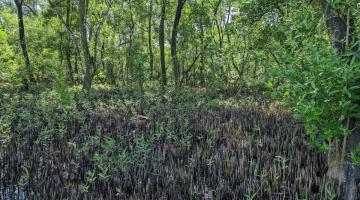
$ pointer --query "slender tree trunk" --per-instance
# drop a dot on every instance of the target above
(129, 59)
(255, 69)
(216, 9)
(102, 52)
(336, 25)
(218, 25)
(202, 55)
(61, 56)
(185, 77)
(151, 53)
(176, 66)
(76, 68)
(97, 38)
(68, 61)
(78, 61)
(220, 35)
(341, 28)
(108, 68)
(162, 44)
(68, 46)
(94, 57)
(22, 38)
(85, 47)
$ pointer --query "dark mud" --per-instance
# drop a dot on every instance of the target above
(221, 154)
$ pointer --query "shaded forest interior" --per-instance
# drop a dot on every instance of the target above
(179, 99)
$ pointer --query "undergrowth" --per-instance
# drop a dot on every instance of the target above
(111, 138)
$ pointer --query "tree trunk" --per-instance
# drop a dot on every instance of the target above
(76, 68)
(176, 66)
(151, 53)
(162, 44)
(129, 56)
(78, 61)
(96, 41)
(68, 49)
(336, 25)
(216, 9)
(68, 61)
(23, 41)
(202, 54)
(85, 47)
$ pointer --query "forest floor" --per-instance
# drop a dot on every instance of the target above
(124, 145)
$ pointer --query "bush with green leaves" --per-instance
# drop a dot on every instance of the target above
(314, 80)
(323, 94)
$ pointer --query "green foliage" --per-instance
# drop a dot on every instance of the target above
(5, 132)
(24, 178)
(282, 161)
(9, 59)
(226, 52)
(323, 92)
(355, 156)
(44, 119)
(250, 195)
(330, 193)
(315, 81)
